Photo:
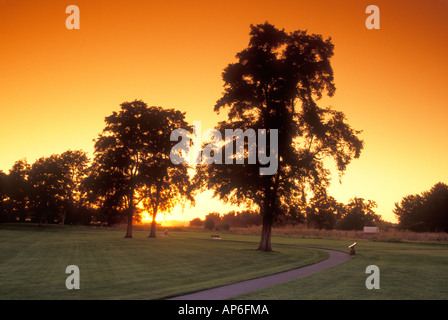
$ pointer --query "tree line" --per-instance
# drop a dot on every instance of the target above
(321, 212)
(50, 189)
(131, 171)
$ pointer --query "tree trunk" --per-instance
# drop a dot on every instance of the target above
(265, 241)
(155, 208)
(130, 219)
(268, 217)
(131, 209)
(152, 234)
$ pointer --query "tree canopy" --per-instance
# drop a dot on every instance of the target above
(427, 211)
(132, 159)
(274, 85)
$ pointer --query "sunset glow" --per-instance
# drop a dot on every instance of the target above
(163, 219)
(58, 85)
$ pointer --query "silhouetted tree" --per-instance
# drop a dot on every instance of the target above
(103, 195)
(249, 218)
(427, 211)
(196, 222)
(46, 178)
(73, 166)
(274, 85)
(409, 214)
(436, 208)
(17, 189)
(211, 220)
(4, 216)
(132, 156)
(242, 219)
(358, 214)
(166, 184)
(56, 186)
(324, 211)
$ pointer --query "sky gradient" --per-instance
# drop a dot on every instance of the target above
(58, 85)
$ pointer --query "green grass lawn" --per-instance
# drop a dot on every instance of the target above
(417, 271)
(33, 261)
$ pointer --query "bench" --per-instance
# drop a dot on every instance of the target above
(352, 249)
(216, 237)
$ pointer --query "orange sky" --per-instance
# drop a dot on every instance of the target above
(57, 85)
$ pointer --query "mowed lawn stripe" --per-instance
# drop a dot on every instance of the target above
(33, 262)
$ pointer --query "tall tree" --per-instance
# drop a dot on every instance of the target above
(166, 183)
(133, 152)
(275, 84)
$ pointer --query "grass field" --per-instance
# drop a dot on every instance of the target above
(33, 261)
(417, 271)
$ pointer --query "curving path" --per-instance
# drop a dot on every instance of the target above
(234, 289)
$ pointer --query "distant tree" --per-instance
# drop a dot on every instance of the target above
(17, 189)
(223, 226)
(212, 220)
(435, 208)
(409, 212)
(209, 223)
(231, 219)
(46, 178)
(196, 222)
(73, 166)
(4, 216)
(274, 85)
(427, 211)
(324, 211)
(132, 156)
(242, 219)
(249, 218)
(358, 214)
(55, 186)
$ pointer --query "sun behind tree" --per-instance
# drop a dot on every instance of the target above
(132, 159)
(274, 85)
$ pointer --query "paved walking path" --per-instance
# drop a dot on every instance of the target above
(231, 290)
